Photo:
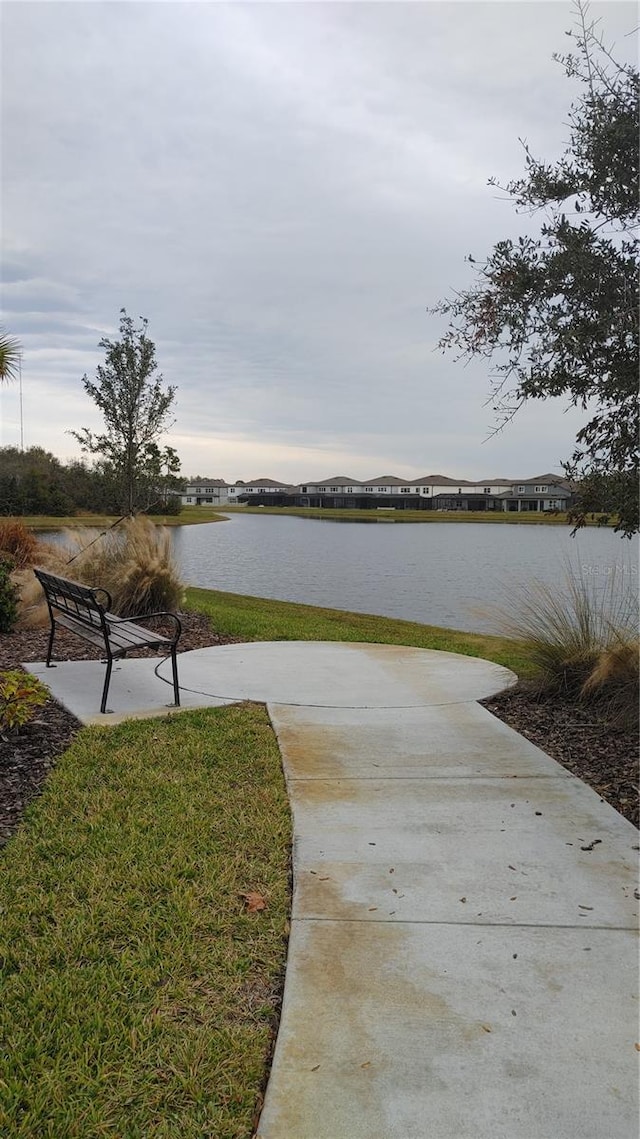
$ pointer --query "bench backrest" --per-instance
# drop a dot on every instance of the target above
(72, 598)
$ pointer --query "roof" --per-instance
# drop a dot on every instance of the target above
(207, 482)
(441, 480)
(263, 482)
(336, 480)
(558, 480)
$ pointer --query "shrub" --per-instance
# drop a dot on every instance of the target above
(20, 695)
(18, 541)
(8, 597)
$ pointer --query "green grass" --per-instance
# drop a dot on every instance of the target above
(137, 991)
(260, 619)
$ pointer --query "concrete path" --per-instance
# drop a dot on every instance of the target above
(462, 961)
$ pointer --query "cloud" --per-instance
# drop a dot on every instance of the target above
(282, 189)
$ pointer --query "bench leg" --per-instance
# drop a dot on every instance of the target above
(103, 706)
(174, 667)
(50, 645)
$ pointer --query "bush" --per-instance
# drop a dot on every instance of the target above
(20, 695)
(8, 597)
(18, 541)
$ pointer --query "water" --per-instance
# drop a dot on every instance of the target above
(450, 574)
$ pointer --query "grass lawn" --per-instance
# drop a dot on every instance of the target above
(260, 619)
(139, 994)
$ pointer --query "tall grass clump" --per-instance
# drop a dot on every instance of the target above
(134, 562)
(145, 576)
(581, 639)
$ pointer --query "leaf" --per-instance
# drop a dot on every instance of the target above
(254, 902)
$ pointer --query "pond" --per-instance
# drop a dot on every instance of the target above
(444, 573)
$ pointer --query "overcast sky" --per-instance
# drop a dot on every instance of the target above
(281, 189)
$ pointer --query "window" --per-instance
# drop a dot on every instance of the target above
(189, 500)
(459, 490)
(487, 490)
(521, 490)
(368, 490)
(322, 488)
(405, 490)
(303, 489)
(333, 488)
(541, 489)
(198, 490)
(425, 490)
(349, 490)
(382, 489)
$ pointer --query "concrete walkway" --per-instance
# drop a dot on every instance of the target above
(462, 961)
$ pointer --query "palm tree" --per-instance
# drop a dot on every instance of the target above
(10, 357)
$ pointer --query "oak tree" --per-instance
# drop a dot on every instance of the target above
(557, 312)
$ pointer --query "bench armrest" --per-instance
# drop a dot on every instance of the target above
(146, 617)
(98, 589)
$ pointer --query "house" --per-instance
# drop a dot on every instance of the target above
(542, 492)
(547, 492)
(206, 492)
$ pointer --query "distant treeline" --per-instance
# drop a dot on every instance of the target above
(36, 482)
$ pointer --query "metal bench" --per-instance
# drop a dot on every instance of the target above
(76, 608)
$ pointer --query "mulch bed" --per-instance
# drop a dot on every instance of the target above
(580, 739)
(604, 758)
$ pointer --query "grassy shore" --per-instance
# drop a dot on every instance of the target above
(261, 619)
(196, 515)
(188, 516)
(489, 517)
(139, 991)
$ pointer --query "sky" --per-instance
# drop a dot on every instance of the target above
(282, 190)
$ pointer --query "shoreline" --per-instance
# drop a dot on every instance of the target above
(202, 515)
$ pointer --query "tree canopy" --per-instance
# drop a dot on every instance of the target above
(135, 407)
(557, 313)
